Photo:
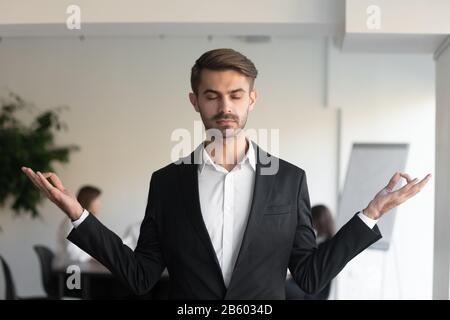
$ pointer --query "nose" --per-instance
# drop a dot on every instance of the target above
(225, 105)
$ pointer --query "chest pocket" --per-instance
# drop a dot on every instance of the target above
(277, 209)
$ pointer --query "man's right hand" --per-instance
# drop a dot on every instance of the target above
(59, 195)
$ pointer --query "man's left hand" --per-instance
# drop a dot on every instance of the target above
(387, 199)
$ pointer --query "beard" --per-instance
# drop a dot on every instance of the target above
(227, 130)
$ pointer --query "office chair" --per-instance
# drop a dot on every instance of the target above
(10, 289)
(49, 280)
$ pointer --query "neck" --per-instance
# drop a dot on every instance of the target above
(228, 151)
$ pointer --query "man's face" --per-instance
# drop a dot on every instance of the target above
(224, 100)
(95, 206)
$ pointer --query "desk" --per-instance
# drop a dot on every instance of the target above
(92, 271)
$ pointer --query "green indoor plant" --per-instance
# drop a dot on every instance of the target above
(30, 145)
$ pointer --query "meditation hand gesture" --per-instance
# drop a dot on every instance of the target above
(57, 193)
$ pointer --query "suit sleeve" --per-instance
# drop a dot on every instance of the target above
(314, 267)
(139, 269)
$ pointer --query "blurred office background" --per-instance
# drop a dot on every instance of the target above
(325, 81)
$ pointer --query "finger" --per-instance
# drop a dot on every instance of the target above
(411, 189)
(55, 180)
(31, 175)
(407, 187)
(425, 180)
(39, 182)
(53, 192)
(34, 177)
(406, 176)
(45, 182)
(395, 178)
(419, 186)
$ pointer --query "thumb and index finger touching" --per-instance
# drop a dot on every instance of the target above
(41, 179)
(410, 182)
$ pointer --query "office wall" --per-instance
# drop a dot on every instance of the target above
(390, 98)
(127, 95)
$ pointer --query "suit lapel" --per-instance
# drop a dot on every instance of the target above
(261, 192)
(189, 180)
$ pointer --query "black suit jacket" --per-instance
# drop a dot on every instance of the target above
(278, 235)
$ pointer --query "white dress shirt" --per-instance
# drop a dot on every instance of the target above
(66, 250)
(225, 201)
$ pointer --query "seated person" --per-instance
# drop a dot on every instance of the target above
(89, 198)
(131, 235)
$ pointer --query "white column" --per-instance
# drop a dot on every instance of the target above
(441, 270)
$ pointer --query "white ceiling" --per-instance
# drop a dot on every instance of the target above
(311, 18)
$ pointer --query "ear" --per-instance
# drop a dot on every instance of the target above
(253, 96)
(194, 102)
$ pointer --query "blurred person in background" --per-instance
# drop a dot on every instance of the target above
(89, 197)
(324, 228)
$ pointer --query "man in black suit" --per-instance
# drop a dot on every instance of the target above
(230, 219)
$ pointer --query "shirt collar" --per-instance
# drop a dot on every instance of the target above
(205, 158)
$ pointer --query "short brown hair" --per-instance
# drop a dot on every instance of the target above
(87, 194)
(222, 59)
(322, 221)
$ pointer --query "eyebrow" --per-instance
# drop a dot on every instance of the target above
(217, 92)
